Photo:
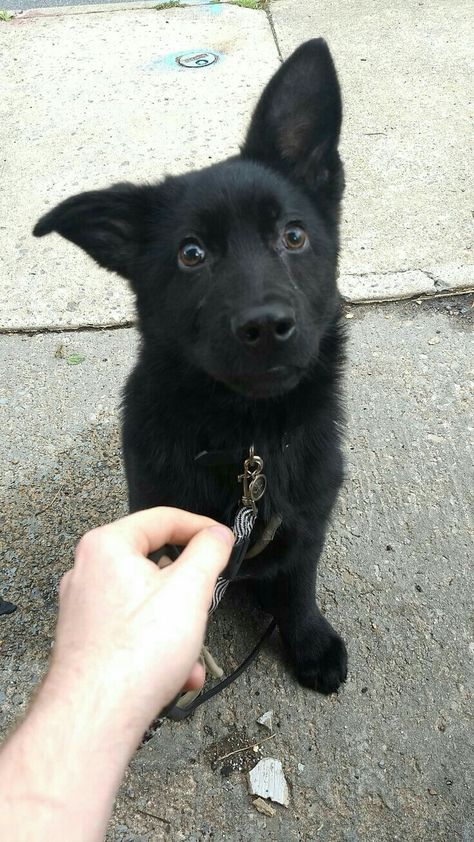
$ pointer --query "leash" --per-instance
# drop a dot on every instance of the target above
(254, 485)
(178, 713)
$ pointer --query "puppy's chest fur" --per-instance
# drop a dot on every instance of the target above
(216, 490)
(298, 442)
(173, 476)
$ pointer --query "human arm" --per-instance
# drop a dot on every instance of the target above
(128, 638)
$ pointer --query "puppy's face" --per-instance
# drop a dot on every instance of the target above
(234, 266)
(249, 281)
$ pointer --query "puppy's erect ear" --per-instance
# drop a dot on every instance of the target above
(296, 124)
(111, 225)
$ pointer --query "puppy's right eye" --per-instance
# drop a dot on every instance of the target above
(191, 254)
(294, 237)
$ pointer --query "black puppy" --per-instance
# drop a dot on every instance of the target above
(234, 271)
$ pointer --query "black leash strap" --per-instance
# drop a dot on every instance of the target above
(242, 528)
(254, 485)
(177, 714)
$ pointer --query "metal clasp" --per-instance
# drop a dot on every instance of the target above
(253, 479)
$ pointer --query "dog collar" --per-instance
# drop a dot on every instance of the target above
(217, 458)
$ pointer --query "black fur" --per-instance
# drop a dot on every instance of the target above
(206, 377)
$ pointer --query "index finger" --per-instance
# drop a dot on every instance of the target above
(149, 530)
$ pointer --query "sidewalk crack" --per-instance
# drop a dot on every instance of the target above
(272, 27)
(437, 283)
(46, 329)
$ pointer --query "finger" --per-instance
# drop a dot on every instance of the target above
(200, 563)
(196, 677)
(149, 530)
(63, 584)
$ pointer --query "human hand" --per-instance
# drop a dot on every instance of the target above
(132, 632)
(127, 640)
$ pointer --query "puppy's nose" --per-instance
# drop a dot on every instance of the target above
(264, 327)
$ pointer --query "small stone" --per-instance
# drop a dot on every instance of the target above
(263, 807)
(300, 767)
(267, 780)
(266, 719)
(435, 340)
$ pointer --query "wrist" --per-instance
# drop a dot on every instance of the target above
(98, 714)
(62, 767)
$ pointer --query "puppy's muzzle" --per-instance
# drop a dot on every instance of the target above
(264, 328)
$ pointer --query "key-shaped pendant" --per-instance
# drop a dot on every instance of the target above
(253, 479)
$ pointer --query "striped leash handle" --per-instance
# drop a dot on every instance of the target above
(242, 528)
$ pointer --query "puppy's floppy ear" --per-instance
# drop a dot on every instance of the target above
(111, 225)
(296, 124)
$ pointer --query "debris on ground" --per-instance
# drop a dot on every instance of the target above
(263, 807)
(75, 359)
(236, 752)
(267, 780)
(266, 719)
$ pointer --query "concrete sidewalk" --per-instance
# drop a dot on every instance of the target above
(90, 97)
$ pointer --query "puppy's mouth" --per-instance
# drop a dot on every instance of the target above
(265, 384)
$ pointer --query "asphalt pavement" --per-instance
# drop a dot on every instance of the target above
(390, 757)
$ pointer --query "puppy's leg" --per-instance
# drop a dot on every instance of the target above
(317, 653)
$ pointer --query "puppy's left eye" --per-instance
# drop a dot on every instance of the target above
(191, 254)
(294, 237)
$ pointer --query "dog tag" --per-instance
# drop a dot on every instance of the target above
(257, 487)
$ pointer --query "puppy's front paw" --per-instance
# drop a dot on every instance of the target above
(321, 663)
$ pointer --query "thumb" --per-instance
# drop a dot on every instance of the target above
(203, 559)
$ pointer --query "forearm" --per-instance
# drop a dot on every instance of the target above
(128, 638)
(60, 771)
